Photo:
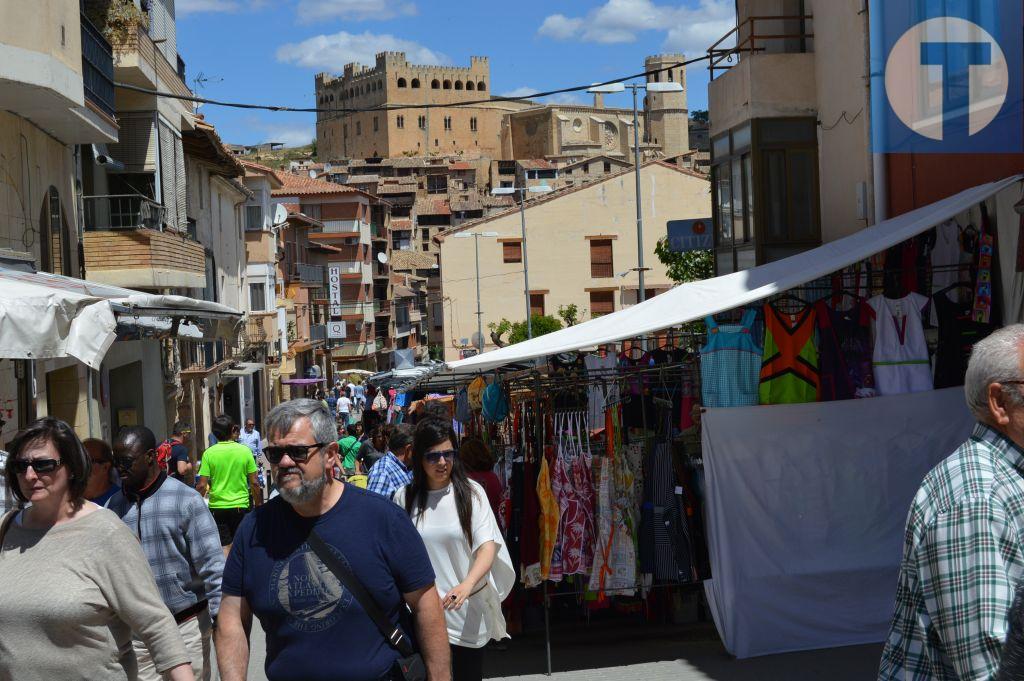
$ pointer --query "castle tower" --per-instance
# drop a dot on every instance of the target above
(666, 116)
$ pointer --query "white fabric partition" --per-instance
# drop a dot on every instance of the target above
(805, 508)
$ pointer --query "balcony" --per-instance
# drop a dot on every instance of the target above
(305, 274)
(383, 307)
(260, 327)
(126, 244)
(318, 333)
(139, 61)
(364, 310)
(381, 270)
(354, 349)
(97, 69)
(201, 359)
(768, 74)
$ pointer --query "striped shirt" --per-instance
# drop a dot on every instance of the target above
(962, 558)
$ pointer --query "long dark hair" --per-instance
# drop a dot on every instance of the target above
(429, 433)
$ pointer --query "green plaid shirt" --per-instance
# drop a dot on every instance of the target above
(962, 559)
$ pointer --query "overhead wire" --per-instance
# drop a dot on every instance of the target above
(400, 107)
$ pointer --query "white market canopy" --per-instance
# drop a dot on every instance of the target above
(698, 299)
(46, 316)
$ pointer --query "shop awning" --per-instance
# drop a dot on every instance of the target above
(302, 381)
(696, 300)
(243, 369)
(46, 316)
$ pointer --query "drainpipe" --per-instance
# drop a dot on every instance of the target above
(876, 133)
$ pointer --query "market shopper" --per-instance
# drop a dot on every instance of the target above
(348, 451)
(316, 631)
(102, 476)
(228, 473)
(473, 567)
(74, 582)
(373, 448)
(181, 543)
(179, 466)
(962, 554)
(345, 407)
(479, 464)
(392, 472)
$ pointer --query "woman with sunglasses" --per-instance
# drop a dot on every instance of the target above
(473, 567)
(74, 583)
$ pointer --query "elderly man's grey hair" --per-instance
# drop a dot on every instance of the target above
(995, 359)
(282, 418)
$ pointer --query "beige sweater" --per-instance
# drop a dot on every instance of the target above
(70, 598)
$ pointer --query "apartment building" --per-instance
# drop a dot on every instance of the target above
(581, 247)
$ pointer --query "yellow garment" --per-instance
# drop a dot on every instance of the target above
(549, 517)
(357, 481)
(475, 393)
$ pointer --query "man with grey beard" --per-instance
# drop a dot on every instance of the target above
(274, 573)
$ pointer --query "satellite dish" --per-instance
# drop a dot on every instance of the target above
(327, 167)
(280, 214)
(382, 258)
(312, 174)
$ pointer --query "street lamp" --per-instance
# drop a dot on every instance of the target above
(479, 313)
(650, 87)
(504, 191)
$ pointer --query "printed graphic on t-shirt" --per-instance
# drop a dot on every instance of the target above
(308, 591)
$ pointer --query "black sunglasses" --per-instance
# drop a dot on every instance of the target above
(434, 457)
(297, 453)
(38, 465)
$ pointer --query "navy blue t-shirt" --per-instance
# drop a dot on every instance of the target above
(315, 628)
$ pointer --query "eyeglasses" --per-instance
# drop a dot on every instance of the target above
(435, 457)
(38, 465)
(123, 463)
(297, 453)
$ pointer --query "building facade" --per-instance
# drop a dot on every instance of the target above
(473, 129)
(581, 248)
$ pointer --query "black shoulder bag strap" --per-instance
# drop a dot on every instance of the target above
(412, 666)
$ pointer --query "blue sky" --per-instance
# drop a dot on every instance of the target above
(267, 51)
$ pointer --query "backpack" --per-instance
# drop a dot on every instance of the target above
(163, 454)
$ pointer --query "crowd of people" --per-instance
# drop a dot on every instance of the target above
(134, 560)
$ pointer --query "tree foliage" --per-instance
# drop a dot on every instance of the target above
(569, 314)
(684, 267)
(542, 324)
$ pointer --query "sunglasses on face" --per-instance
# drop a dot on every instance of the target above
(435, 457)
(38, 465)
(297, 453)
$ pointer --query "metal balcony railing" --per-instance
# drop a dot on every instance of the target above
(255, 332)
(122, 211)
(305, 273)
(97, 68)
(783, 34)
(318, 332)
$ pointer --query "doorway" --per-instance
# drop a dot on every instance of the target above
(126, 400)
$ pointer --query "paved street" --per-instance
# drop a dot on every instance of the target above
(611, 653)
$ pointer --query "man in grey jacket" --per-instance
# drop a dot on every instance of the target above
(180, 540)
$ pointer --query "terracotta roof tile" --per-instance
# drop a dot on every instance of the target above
(432, 207)
(412, 260)
(293, 184)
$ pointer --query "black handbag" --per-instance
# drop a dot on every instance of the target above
(410, 664)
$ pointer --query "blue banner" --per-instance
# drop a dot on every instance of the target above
(690, 235)
(946, 76)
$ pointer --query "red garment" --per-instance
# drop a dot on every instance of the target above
(529, 546)
(576, 501)
(489, 481)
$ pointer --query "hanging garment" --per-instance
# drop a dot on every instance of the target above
(475, 393)
(614, 566)
(945, 255)
(958, 333)
(529, 536)
(789, 372)
(901, 352)
(730, 363)
(548, 521)
(844, 349)
(600, 394)
(662, 489)
(576, 522)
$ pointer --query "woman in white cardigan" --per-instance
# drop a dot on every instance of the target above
(473, 568)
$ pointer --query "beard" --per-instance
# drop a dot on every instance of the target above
(306, 491)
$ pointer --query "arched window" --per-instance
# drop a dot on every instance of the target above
(469, 85)
(447, 85)
(54, 240)
(351, 92)
(481, 85)
(458, 85)
(380, 85)
(416, 82)
(434, 85)
(401, 82)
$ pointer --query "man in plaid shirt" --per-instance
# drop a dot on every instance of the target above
(391, 473)
(962, 553)
(180, 540)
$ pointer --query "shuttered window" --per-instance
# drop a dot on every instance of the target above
(537, 304)
(136, 145)
(601, 258)
(512, 251)
(602, 302)
(168, 176)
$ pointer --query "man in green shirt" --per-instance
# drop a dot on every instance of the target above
(228, 473)
(348, 449)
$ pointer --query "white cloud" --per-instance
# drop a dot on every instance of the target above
(563, 98)
(183, 7)
(290, 134)
(335, 50)
(310, 11)
(690, 28)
